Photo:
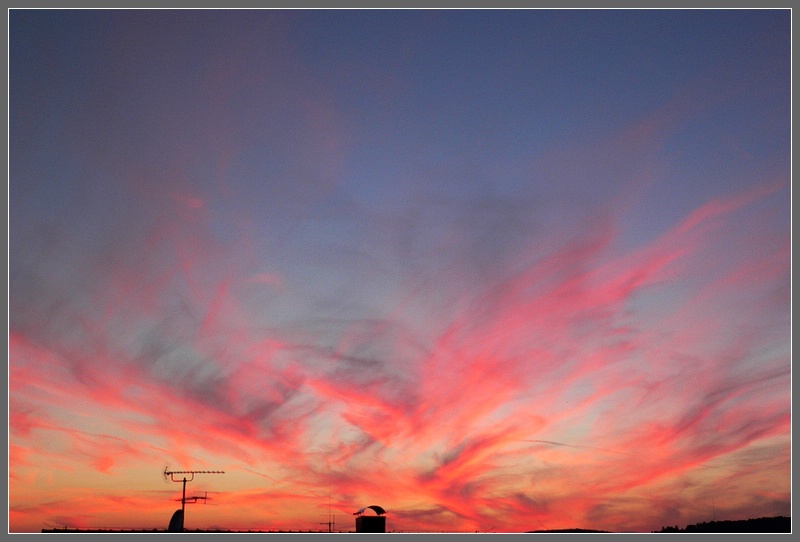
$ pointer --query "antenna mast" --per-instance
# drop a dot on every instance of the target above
(172, 474)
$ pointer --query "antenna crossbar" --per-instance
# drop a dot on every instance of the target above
(193, 471)
(172, 473)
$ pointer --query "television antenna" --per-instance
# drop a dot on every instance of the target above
(184, 479)
(331, 523)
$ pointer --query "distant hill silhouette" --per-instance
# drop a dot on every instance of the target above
(777, 524)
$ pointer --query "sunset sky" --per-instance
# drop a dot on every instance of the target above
(490, 270)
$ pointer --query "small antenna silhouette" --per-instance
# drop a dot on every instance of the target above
(331, 523)
(194, 499)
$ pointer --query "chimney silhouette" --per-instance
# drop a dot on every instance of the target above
(370, 523)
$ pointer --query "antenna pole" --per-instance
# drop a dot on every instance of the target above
(183, 498)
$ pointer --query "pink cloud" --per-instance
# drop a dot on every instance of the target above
(548, 371)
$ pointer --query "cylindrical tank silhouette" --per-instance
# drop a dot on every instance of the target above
(371, 524)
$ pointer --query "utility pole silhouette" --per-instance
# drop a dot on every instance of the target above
(176, 524)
